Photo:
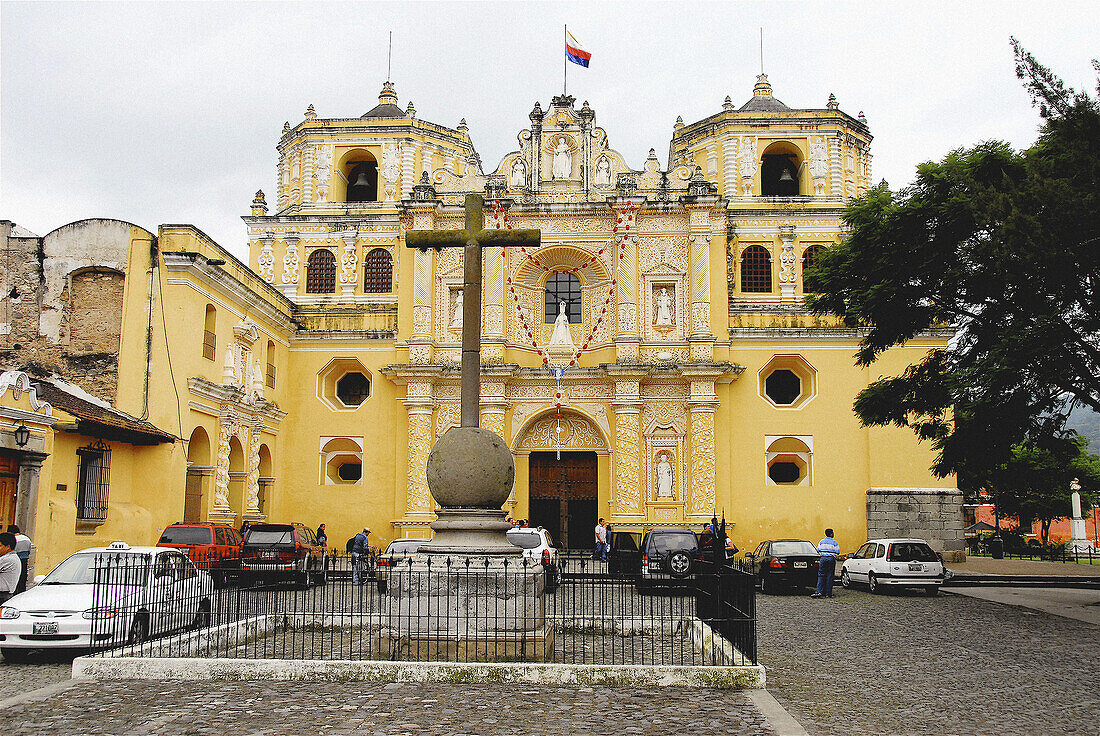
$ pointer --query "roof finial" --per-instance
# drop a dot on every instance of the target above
(833, 104)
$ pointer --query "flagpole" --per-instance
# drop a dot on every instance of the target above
(564, 61)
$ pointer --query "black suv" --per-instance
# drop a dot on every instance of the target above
(669, 556)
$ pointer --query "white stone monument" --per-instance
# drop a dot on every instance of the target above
(1079, 541)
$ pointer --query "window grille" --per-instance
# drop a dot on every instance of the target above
(378, 272)
(563, 287)
(321, 272)
(209, 344)
(809, 258)
(271, 375)
(756, 270)
(94, 482)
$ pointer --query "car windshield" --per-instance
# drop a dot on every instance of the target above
(911, 552)
(404, 546)
(185, 535)
(524, 539)
(269, 536)
(624, 540)
(89, 568)
(674, 541)
(793, 548)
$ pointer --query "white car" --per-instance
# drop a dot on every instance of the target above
(899, 563)
(539, 549)
(104, 597)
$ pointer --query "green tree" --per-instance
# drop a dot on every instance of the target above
(1034, 482)
(1001, 246)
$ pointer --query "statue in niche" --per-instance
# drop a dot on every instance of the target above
(561, 335)
(456, 319)
(665, 477)
(519, 174)
(563, 159)
(603, 173)
(664, 309)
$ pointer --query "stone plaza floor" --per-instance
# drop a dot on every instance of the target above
(900, 663)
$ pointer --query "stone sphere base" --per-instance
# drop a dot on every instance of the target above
(470, 467)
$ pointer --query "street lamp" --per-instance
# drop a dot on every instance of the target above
(22, 435)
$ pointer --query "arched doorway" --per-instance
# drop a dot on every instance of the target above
(198, 468)
(563, 476)
(237, 476)
(266, 480)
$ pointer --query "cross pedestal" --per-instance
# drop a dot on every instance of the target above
(467, 595)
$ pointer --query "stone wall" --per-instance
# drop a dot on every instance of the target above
(933, 514)
(61, 299)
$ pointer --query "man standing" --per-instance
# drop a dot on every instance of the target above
(9, 566)
(828, 548)
(601, 542)
(360, 548)
(23, 552)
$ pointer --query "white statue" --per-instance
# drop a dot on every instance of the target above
(519, 174)
(603, 172)
(561, 334)
(664, 309)
(819, 159)
(1075, 498)
(563, 159)
(746, 157)
(665, 478)
(456, 319)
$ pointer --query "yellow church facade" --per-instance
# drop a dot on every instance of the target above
(649, 363)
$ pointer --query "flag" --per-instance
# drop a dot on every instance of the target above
(574, 52)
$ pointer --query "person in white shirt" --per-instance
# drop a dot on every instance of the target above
(9, 566)
(601, 542)
(23, 552)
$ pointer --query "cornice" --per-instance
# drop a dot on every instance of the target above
(198, 267)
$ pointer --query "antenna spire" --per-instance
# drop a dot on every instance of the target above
(761, 49)
(389, 57)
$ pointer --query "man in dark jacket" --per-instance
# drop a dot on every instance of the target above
(360, 550)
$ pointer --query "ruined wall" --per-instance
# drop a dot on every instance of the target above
(932, 514)
(62, 301)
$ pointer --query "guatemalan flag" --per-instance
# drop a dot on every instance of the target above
(574, 52)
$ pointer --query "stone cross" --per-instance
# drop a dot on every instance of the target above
(473, 238)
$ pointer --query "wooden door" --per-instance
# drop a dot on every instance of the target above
(569, 487)
(9, 487)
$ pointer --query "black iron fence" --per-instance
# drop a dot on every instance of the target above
(423, 609)
(1044, 554)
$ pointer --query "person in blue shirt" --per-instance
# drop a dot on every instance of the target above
(828, 548)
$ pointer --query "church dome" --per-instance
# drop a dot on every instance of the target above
(762, 100)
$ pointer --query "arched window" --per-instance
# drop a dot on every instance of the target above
(756, 270)
(779, 170)
(378, 272)
(563, 287)
(809, 258)
(209, 337)
(321, 272)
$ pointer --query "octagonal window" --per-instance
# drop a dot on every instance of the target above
(352, 389)
(783, 386)
(788, 460)
(344, 384)
(783, 471)
(788, 382)
(350, 471)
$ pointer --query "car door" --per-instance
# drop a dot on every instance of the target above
(188, 592)
(857, 563)
(878, 560)
(758, 553)
(162, 594)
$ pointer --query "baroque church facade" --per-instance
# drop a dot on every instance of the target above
(649, 363)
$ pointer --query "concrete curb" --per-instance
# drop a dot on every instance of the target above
(778, 717)
(41, 693)
(961, 580)
(139, 668)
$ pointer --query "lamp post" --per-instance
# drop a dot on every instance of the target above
(22, 435)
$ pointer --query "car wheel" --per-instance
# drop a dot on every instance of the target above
(15, 656)
(932, 589)
(872, 583)
(202, 616)
(139, 629)
(845, 579)
(553, 579)
(765, 587)
(679, 564)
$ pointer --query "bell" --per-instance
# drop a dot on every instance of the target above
(363, 180)
(786, 175)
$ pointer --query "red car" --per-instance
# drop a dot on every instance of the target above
(212, 547)
(283, 553)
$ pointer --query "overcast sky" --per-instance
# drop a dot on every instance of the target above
(170, 112)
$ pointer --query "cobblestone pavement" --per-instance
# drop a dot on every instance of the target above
(16, 679)
(174, 708)
(903, 663)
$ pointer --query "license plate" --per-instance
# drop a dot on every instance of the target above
(267, 555)
(800, 564)
(915, 567)
(45, 627)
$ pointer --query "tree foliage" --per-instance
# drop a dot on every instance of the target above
(1002, 246)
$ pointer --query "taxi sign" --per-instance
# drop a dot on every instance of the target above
(118, 545)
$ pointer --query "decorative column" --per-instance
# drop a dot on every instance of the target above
(786, 264)
(408, 175)
(626, 293)
(291, 265)
(494, 404)
(418, 501)
(628, 487)
(701, 408)
(349, 261)
(26, 499)
(729, 168)
(699, 213)
(265, 261)
(492, 301)
(425, 212)
(836, 188)
(252, 482)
